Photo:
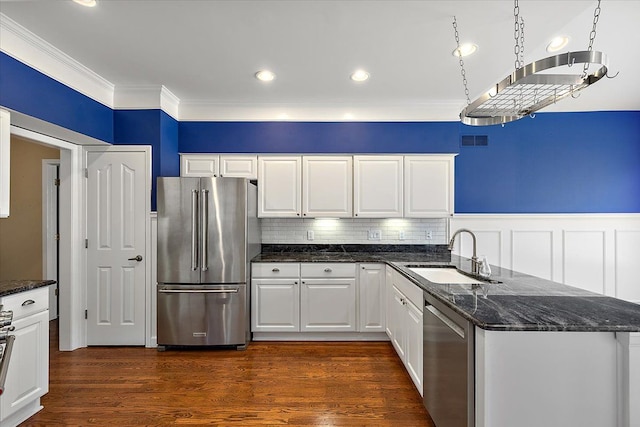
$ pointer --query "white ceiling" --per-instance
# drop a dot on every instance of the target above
(206, 52)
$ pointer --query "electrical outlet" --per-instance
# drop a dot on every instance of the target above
(401, 235)
(429, 235)
(375, 234)
(310, 235)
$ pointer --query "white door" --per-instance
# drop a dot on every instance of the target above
(118, 202)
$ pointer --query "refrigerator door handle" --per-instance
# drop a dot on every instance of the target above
(194, 230)
(205, 229)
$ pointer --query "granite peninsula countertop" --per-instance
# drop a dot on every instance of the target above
(519, 302)
(9, 287)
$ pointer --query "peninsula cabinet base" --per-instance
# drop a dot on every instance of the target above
(320, 336)
(22, 414)
(555, 379)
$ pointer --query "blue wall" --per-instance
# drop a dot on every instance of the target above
(554, 163)
(155, 128)
(30, 92)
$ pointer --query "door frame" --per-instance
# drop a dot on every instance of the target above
(72, 289)
(49, 244)
(149, 284)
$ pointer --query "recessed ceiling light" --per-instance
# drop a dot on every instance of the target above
(557, 43)
(265, 75)
(87, 3)
(465, 49)
(359, 76)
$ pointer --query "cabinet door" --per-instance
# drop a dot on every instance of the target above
(275, 305)
(397, 321)
(239, 166)
(388, 300)
(28, 375)
(279, 186)
(328, 305)
(5, 162)
(199, 165)
(327, 186)
(413, 343)
(377, 190)
(372, 297)
(428, 186)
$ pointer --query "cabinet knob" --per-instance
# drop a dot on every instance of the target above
(328, 270)
(298, 214)
(275, 270)
(303, 282)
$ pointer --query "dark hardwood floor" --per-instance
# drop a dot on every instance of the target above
(269, 384)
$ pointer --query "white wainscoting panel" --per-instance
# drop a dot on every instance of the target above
(596, 252)
(627, 264)
(532, 252)
(584, 260)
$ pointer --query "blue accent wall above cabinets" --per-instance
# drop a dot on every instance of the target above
(554, 163)
(316, 137)
(30, 92)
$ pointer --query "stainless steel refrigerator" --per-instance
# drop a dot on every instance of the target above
(208, 231)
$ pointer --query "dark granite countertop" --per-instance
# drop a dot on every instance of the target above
(9, 287)
(520, 302)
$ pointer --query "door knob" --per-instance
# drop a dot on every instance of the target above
(136, 258)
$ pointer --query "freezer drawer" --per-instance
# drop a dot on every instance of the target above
(194, 315)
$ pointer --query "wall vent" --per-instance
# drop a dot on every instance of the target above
(474, 140)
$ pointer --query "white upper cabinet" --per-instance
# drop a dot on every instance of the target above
(199, 165)
(279, 186)
(327, 186)
(428, 186)
(378, 182)
(223, 165)
(5, 161)
(239, 166)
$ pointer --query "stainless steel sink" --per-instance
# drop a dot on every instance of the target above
(444, 276)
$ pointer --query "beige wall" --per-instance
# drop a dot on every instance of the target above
(21, 233)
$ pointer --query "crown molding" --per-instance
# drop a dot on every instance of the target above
(445, 111)
(21, 44)
(131, 97)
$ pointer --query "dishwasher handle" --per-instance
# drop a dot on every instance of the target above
(444, 319)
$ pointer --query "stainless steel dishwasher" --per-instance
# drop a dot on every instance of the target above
(448, 353)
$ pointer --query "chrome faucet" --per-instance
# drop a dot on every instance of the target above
(475, 265)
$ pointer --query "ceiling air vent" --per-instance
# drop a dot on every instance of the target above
(474, 140)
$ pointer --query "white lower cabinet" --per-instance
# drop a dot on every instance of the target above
(404, 324)
(275, 305)
(28, 376)
(371, 281)
(328, 305)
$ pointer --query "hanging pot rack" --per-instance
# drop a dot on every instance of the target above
(532, 87)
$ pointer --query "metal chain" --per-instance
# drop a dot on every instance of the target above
(462, 71)
(516, 34)
(522, 41)
(592, 37)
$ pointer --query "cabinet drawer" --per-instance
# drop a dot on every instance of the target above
(27, 303)
(327, 270)
(412, 291)
(275, 270)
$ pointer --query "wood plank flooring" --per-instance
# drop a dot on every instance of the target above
(269, 384)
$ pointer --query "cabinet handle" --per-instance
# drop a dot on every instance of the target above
(356, 214)
(298, 214)
(327, 270)
(295, 283)
(275, 270)
(302, 282)
(28, 302)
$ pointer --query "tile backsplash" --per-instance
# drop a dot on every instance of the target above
(405, 231)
